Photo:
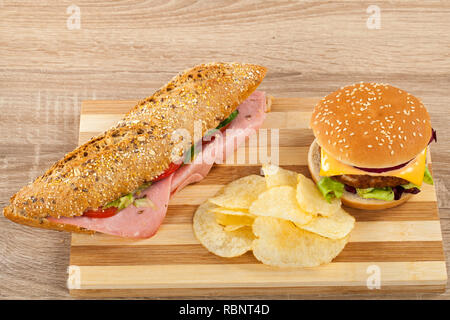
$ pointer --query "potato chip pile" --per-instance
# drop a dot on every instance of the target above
(281, 217)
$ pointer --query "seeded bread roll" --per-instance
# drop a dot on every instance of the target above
(137, 149)
(371, 125)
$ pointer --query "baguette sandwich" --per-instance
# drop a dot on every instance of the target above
(120, 181)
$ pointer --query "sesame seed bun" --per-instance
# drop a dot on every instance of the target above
(371, 125)
(350, 199)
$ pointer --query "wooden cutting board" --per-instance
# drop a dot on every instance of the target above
(402, 245)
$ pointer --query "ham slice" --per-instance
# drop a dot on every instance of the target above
(130, 222)
(133, 222)
(252, 113)
(195, 171)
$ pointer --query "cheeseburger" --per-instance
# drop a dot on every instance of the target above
(371, 146)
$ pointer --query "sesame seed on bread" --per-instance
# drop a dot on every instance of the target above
(371, 125)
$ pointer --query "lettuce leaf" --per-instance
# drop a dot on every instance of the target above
(386, 194)
(427, 178)
(330, 188)
(127, 199)
(122, 202)
(410, 186)
(230, 118)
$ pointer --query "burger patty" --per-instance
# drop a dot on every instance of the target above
(367, 181)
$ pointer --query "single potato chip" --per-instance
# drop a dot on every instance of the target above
(234, 227)
(233, 220)
(336, 226)
(240, 193)
(231, 211)
(311, 200)
(280, 202)
(276, 176)
(280, 243)
(214, 238)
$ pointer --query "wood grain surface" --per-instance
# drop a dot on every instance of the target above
(406, 247)
(127, 49)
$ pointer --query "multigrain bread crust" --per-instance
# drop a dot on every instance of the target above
(136, 150)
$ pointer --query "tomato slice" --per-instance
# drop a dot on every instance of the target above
(100, 212)
(172, 168)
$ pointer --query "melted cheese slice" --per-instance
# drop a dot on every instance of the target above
(413, 171)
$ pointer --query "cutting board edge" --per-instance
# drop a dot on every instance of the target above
(282, 292)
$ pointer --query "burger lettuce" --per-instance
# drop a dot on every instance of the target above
(334, 189)
(427, 178)
(330, 188)
(386, 193)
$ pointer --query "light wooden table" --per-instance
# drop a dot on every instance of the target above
(126, 50)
